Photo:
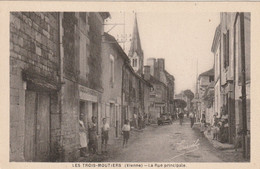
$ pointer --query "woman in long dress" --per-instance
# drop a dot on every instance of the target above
(82, 137)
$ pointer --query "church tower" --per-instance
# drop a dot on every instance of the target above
(136, 53)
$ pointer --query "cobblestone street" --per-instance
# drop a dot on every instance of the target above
(169, 143)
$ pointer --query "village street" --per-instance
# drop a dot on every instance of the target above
(169, 143)
(77, 84)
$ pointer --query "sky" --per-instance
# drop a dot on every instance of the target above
(180, 38)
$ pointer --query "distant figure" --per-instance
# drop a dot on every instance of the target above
(203, 123)
(82, 137)
(191, 115)
(181, 116)
(93, 135)
(135, 120)
(126, 133)
(216, 127)
(104, 135)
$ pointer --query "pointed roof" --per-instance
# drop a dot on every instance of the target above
(136, 42)
(207, 73)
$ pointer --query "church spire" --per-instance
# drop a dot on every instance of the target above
(136, 53)
(136, 42)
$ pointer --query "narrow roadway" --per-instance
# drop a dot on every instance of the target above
(168, 143)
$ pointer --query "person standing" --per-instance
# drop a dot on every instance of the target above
(104, 135)
(82, 137)
(181, 116)
(126, 132)
(93, 135)
(203, 123)
(135, 120)
(191, 115)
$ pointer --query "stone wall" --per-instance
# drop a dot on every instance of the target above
(33, 58)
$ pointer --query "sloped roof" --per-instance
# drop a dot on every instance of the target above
(169, 75)
(215, 39)
(153, 80)
(110, 39)
(208, 73)
(136, 42)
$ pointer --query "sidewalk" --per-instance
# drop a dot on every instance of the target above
(216, 144)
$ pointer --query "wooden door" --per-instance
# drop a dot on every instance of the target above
(43, 127)
(29, 139)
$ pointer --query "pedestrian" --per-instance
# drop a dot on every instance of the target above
(191, 115)
(93, 135)
(82, 137)
(140, 122)
(126, 132)
(181, 116)
(135, 120)
(216, 131)
(203, 123)
(104, 135)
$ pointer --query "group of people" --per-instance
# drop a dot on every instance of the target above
(140, 120)
(220, 126)
(92, 143)
(191, 116)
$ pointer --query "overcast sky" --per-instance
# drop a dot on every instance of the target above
(180, 38)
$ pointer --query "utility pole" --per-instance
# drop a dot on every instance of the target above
(243, 90)
(123, 37)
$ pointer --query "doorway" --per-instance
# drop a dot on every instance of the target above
(37, 126)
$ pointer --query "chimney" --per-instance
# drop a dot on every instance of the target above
(147, 72)
(151, 63)
(161, 64)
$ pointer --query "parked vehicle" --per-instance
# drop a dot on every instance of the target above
(164, 119)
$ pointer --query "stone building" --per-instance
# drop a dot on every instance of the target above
(54, 76)
(157, 97)
(170, 92)
(204, 80)
(231, 48)
(216, 51)
(135, 91)
(34, 85)
(113, 61)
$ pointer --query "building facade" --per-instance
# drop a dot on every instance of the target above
(55, 75)
(234, 70)
(113, 60)
(204, 80)
(216, 51)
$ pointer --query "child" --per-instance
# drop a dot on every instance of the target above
(104, 135)
(126, 132)
(215, 131)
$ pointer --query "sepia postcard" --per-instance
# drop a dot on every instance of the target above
(129, 84)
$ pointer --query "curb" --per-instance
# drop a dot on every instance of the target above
(217, 144)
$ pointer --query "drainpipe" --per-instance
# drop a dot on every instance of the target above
(61, 77)
(243, 90)
(122, 104)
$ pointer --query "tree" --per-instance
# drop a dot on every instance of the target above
(180, 103)
(189, 94)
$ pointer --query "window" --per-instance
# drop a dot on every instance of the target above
(112, 72)
(134, 62)
(82, 15)
(226, 49)
(211, 78)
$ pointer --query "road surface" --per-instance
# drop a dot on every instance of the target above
(168, 143)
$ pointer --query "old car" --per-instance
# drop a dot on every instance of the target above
(164, 119)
